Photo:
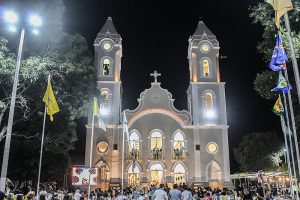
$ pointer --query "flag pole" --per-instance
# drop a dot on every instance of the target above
(287, 152)
(41, 152)
(290, 140)
(123, 149)
(293, 120)
(293, 56)
(91, 152)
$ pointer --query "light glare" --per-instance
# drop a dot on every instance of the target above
(35, 31)
(35, 20)
(12, 29)
(11, 17)
(210, 114)
(104, 111)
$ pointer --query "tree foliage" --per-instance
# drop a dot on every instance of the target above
(69, 61)
(263, 14)
(256, 151)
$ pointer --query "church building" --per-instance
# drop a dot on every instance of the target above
(172, 146)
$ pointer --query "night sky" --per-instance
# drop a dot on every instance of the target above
(155, 37)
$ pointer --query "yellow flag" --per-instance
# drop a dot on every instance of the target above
(50, 101)
(95, 112)
(280, 7)
(278, 107)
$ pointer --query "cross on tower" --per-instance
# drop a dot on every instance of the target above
(155, 75)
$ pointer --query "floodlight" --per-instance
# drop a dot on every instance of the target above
(35, 20)
(11, 17)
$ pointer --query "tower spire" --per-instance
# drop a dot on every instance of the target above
(202, 29)
(108, 30)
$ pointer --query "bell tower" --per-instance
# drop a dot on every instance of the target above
(108, 53)
(206, 94)
(207, 105)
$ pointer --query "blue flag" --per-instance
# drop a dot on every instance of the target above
(183, 149)
(282, 85)
(279, 57)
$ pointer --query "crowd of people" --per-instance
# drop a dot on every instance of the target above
(161, 192)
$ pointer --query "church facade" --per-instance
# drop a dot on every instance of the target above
(170, 145)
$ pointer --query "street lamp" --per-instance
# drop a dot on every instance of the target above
(12, 19)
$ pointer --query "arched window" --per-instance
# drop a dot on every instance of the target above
(156, 145)
(105, 101)
(105, 95)
(106, 66)
(178, 146)
(134, 144)
(208, 105)
(205, 67)
(179, 174)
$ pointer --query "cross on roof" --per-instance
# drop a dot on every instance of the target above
(155, 75)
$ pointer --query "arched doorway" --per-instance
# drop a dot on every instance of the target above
(103, 175)
(156, 173)
(133, 175)
(179, 174)
(213, 174)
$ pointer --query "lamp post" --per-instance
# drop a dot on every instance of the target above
(12, 19)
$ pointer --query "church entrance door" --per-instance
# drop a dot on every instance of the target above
(133, 175)
(133, 179)
(104, 175)
(156, 173)
(179, 174)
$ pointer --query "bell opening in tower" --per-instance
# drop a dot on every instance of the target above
(106, 67)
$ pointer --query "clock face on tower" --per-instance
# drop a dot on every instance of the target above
(106, 45)
(205, 48)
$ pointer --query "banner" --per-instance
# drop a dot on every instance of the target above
(80, 176)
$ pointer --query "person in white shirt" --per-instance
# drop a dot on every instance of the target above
(175, 194)
(77, 195)
(121, 196)
(186, 194)
(160, 194)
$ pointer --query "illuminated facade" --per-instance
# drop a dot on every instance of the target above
(172, 146)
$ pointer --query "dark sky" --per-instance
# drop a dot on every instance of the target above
(155, 37)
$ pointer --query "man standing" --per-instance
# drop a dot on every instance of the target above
(186, 194)
(175, 194)
(160, 194)
(260, 192)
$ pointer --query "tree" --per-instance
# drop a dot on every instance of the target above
(263, 14)
(257, 151)
(69, 61)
